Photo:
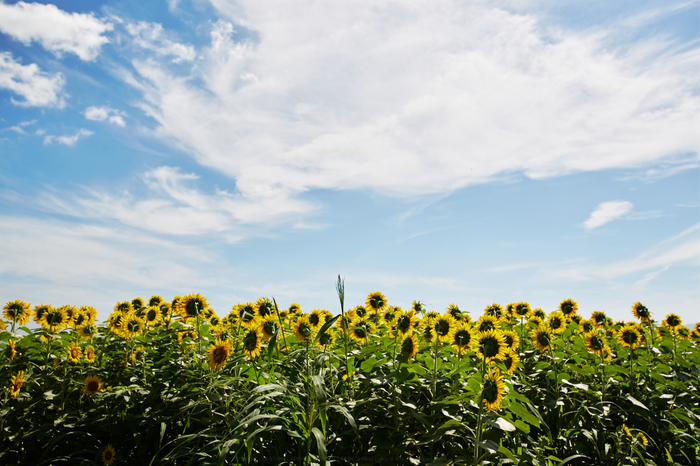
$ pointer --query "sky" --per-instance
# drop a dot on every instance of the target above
(466, 152)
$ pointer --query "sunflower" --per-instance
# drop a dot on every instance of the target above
(153, 315)
(90, 354)
(486, 322)
(155, 300)
(512, 339)
(641, 312)
(18, 311)
(93, 384)
(427, 329)
(294, 309)
(218, 354)
(409, 346)
(521, 310)
(358, 312)
(455, 312)
(16, 381)
(683, 332)
(490, 345)
(361, 329)
(40, 311)
(87, 331)
(10, 351)
(568, 307)
(418, 307)
(264, 307)
(495, 310)
(586, 326)
(595, 343)
(539, 313)
(510, 360)
(391, 314)
(245, 314)
(556, 322)
(108, 455)
(599, 318)
(671, 322)
(252, 343)
(629, 337)
(317, 318)
(74, 353)
(541, 338)
(269, 326)
(138, 303)
(3, 325)
(643, 439)
(406, 322)
(697, 327)
(54, 320)
(327, 339)
(124, 307)
(302, 329)
(132, 326)
(376, 301)
(80, 318)
(343, 322)
(462, 337)
(444, 326)
(493, 390)
(165, 312)
(191, 306)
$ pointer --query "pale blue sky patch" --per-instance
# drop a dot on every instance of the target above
(473, 153)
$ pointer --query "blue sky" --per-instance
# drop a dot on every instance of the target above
(446, 152)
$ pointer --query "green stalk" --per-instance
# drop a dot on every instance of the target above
(479, 421)
(340, 288)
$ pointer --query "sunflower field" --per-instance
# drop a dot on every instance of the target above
(172, 382)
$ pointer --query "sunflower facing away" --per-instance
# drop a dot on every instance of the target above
(93, 384)
(361, 329)
(264, 308)
(495, 310)
(269, 326)
(599, 318)
(595, 343)
(10, 351)
(490, 345)
(17, 311)
(252, 343)
(218, 354)
(40, 312)
(641, 312)
(541, 338)
(302, 329)
(629, 337)
(493, 390)
(510, 360)
(409, 346)
(406, 322)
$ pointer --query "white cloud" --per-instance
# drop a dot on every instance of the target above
(151, 36)
(39, 89)
(68, 140)
(105, 113)
(407, 99)
(55, 29)
(19, 129)
(607, 212)
(174, 206)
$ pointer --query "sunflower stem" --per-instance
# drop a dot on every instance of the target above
(480, 416)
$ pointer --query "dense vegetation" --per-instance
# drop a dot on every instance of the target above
(173, 383)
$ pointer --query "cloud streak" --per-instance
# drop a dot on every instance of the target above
(38, 88)
(606, 212)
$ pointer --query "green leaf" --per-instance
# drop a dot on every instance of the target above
(325, 327)
(520, 411)
(320, 444)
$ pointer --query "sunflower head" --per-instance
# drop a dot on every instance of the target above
(568, 307)
(10, 350)
(427, 329)
(510, 360)
(93, 384)
(124, 307)
(40, 312)
(541, 338)
(74, 353)
(671, 322)
(409, 346)
(486, 322)
(595, 342)
(252, 343)
(556, 322)
(155, 300)
(302, 329)
(406, 322)
(108, 455)
(17, 311)
(455, 312)
(138, 303)
(599, 318)
(539, 313)
(16, 384)
(641, 312)
(153, 315)
(512, 340)
(358, 312)
(264, 307)
(327, 339)
(390, 314)
(361, 330)
(55, 319)
(268, 327)
(294, 309)
(376, 301)
(493, 390)
(317, 318)
(490, 345)
(629, 336)
(462, 337)
(494, 310)
(444, 326)
(418, 307)
(87, 331)
(522, 310)
(218, 354)
(89, 354)
(191, 306)
(245, 313)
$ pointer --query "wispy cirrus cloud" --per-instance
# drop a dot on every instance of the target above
(324, 96)
(153, 37)
(56, 30)
(606, 212)
(36, 87)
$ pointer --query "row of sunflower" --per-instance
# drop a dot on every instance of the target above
(408, 385)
